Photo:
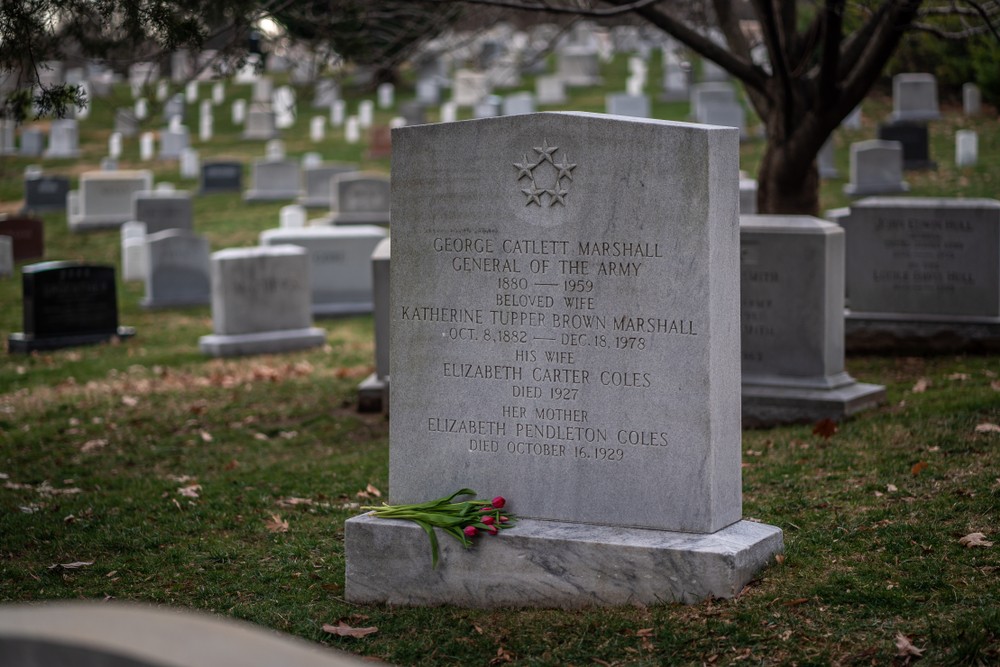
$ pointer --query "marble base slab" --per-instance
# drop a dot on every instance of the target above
(373, 394)
(268, 342)
(875, 333)
(552, 564)
(20, 343)
(769, 405)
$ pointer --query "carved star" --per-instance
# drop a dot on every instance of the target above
(534, 195)
(558, 195)
(545, 151)
(565, 169)
(524, 167)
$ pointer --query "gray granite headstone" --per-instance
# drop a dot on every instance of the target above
(373, 392)
(126, 122)
(876, 168)
(163, 210)
(428, 91)
(64, 139)
(712, 93)
(359, 198)
(316, 182)
(104, 198)
(518, 103)
(966, 148)
(573, 346)
(339, 264)
(326, 93)
(133, 241)
(825, 162)
(469, 87)
(274, 180)
(260, 302)
(550, 89)
(972, 100)
(792, 310)
(173, 141)
(922, 274)
(32, 142)
(6, 256)
(260, 125)
(748, 196)
(177, 269)
(915, 97)
(578, 66)
(623, 104)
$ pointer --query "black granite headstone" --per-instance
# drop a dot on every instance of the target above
(914, 138)
(221, 177)
(27, 234)
(67, 304)
(45, 193)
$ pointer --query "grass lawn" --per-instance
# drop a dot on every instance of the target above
(224, 485)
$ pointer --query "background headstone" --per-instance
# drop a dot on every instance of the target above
(104, 198)
(45, 193)
(274, 180)
(915, 97)
(220, 176)
(27, 235)
(792, 311)
(260, 302)
(133, 240)
(373, 392)
(876, 168)
(914, 138)
(163, 210)
(177, 269)
(67, 304)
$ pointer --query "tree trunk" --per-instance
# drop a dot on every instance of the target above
(784, 185)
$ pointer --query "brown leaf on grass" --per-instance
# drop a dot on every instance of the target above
(206, 436)
(995, 385)
(189, 491)
(344, 630)
(975, 540)
(76, 565)
(959, 376)
(796, 602)
(93, 445)
(921, 386)
(779, 559)
(292, 501)
(130, 401)
(987, 427)
(502, 656)
(891, 488)
(905, 648)
(825, 428)
(276, 524)
(369, 493)
(918, 468)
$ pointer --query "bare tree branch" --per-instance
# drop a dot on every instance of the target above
(549, 8)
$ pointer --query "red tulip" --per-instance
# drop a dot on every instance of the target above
(470, 531)
(499, 502)
(488, 520)
(494, 530)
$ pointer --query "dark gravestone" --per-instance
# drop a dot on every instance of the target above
(28, 235)
(221, 177)
(45, 193)
(67, 304)
(913, 136)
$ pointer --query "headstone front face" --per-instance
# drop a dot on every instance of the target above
(928, 257)
(105, 198)
(360, 198)
(163, 210)
(876, 168)
(550, 89)
(221, 177)
(339, 264)
(64, 139)
(45, 193)
(260, 125)
(173, 141)
(317, 182)
(67, 304)
(579, 66)
(623, 104)
(914, 138)
(274, 180)
(972, 100)
(469, 87)
(792, 310)
(32, 142)
(825, 162)
(518, 103)
(568, 345)
(133, 238)
(6, 256)
(126, 122)
(915, 97)
(966, 148)
(27, 235)
(177, 269)
(260, 302)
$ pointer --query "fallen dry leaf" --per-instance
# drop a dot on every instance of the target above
(921, 386)
(206, 436)
(130, 401)
(344, 630)
(825, 428)
(503, 655)
(891, 488)
(372, 490)
(918, 468)
(71, 566)
(995, 385)
(959, 376)
(93, 445)
(779, 559)
(275, 524)
(189, 491)
(905, 648)
(987, 427)
(796, 602)
(975, 540)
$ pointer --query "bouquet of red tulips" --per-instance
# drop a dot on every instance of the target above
(462, 520)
